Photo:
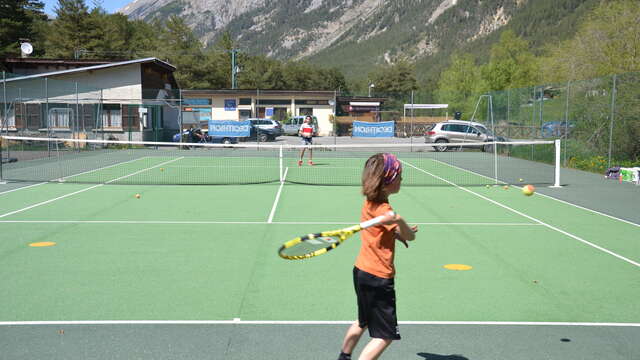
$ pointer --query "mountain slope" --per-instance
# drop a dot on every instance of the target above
(355, 35)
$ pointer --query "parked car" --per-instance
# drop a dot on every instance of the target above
(263, 135)
(292, 125)
(556, 128)
(186, 138)
(267, 124)
(459, 131)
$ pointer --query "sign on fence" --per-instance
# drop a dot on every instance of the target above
(366, 129)
(229, 128)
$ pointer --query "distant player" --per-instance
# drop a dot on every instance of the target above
(306, 133)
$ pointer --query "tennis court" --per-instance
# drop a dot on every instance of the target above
(191, 272)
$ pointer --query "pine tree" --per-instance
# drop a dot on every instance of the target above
(71, 31)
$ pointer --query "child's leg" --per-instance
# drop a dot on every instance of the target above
(374, 349)
(301, 156)
(351, 338)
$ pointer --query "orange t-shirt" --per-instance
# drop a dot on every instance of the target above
(378, 242)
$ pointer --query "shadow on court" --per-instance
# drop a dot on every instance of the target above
(428, 356)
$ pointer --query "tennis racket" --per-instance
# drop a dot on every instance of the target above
(308, 246)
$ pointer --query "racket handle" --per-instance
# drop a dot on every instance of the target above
(375, 220)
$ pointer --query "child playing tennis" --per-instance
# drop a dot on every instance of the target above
(374, 270)
(306, 132)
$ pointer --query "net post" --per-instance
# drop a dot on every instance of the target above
(556, 183)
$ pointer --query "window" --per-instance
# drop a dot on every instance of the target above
(312, 102)
(245, 101)
(245, 114)
(196, 101)
(456, 128)
(274, 102)
(59, 118)
(306, 111)
(111, 116)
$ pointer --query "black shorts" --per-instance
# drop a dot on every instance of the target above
(376, 305)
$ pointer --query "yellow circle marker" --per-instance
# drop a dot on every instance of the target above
(42, 244)
(460, 267)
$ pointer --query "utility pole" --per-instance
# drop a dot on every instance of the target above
(234, 69)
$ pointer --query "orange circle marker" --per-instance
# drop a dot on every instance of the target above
(460, 267)
(42, 244)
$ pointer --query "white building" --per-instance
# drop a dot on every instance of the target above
(131, 100)
(203, 105)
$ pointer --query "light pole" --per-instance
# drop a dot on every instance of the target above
(371, 85)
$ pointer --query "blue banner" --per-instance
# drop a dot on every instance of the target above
(229, 128)
(367, 129)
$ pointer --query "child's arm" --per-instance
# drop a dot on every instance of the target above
(403, 231)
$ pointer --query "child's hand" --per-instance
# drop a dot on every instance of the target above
(414, 228)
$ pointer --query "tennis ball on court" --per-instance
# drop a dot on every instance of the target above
(137, 196)
(528, 190)
(521, 179)
(488, 186)
(161, 169)
(506, 187)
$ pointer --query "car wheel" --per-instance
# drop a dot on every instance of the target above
(441, 147)
(263, 137)
(226, 141)
(487, 148)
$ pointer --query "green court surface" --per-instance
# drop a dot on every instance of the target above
(191, 272)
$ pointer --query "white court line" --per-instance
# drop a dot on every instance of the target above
(275, 203)
(24, 187)
(83, 190)
(172, 222)
(547, 196)
(102, 168)
(69, 176)
(237, 321)
(530, 218)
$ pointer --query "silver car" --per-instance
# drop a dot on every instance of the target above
(458, 131)
(292, 125)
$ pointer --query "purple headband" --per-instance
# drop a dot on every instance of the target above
(392, 167)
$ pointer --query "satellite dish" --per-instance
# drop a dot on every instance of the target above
(26, 48)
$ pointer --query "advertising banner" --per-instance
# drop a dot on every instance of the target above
(229, 128)
(367, 129)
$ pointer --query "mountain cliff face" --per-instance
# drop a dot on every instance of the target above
(296, 29)
(346, 33)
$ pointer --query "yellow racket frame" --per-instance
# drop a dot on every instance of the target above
(341, 235)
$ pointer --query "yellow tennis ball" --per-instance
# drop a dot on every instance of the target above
(521, 179)
(161, 169)
(528, 190)
(506, 187)
(137, 196)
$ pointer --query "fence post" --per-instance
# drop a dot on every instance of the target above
(5, 121)
(412, 118)
(613, 105)
(566, 123)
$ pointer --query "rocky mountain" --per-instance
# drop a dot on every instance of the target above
(355, 33)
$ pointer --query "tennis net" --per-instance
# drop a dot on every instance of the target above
(131, 162)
